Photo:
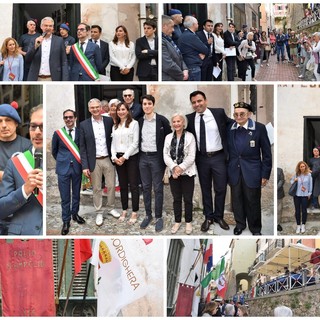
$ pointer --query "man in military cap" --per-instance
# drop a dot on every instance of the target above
(176, 16)
(249, 167)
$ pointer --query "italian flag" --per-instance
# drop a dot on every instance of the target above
(218, 275)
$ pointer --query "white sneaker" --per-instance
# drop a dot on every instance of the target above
(303, 228)
(99, 219)
(298, 230)
(114, 213)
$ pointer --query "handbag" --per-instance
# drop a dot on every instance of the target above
(267, 47)
(293, 189)
(1, 72)
(318, 69)
(165, 178)
(249, 55)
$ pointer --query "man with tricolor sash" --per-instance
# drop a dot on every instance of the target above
(65, 150)
(85, 57)
(21, 198)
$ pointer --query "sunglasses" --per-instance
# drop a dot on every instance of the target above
(240, 115)
(127, 95)
(68, 117)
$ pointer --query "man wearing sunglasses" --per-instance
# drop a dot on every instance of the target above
(249, 167)
(135, 108)
(21, 199)
(65, 149)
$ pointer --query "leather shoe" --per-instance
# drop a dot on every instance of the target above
(206, 225)
(65, 228)
(256, 234)
(78, 219)
(237, 231)
(223, 225)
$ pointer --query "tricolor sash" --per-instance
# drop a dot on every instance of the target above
(68, 141)
(85, 63)
(24, 163)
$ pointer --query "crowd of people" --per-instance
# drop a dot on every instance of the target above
(193, 55)
(54, 55)
(139, 144)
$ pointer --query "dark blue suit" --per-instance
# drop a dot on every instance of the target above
(250, 160)
(92, 52)
(69, 173)
(104, 49)
(136, 111)
(23, 217)
(213, 167)
(88, 144)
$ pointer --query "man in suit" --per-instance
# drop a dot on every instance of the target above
(65, 150)
(104, 46)
(173, 66)
(21, 205)
(153, 130)
(209, 127)
(95, 154)
(135, 107)
(192, 48)
(208, 62)
(249, 167)
(147, 53)
(88, 68)
(230, 42)
(47, 55)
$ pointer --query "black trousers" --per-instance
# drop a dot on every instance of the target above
(300, 206)
(115, 74)
(218, 58)
(246, 204)
(182, 187)
(231, 67)
(206, 69)
(128, 173)
(251, 63)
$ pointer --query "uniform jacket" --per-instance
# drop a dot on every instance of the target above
(255, 160)
(57, 60)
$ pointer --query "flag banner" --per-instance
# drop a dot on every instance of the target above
(27, 283)
(218, 269)
(82, 252)
(207, 254)
(209, 264)
(205, 282)
(119, 281)
(219, 276)
(184, 300)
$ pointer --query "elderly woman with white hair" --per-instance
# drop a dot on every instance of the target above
(179, 155)
(316, 53)
(246, 50)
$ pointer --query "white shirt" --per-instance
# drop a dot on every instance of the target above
(45, 55)
(148, 135)
(213, 139)
(73, 132)
(84, 46)
(125, 140)
(122, 56)
(100, 138)
(97, 43)
(152, 46)
(218, 44)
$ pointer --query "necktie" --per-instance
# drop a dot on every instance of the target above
(203, 148)
(70, 130)
(81, 47)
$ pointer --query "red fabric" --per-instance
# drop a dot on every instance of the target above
(315, 257)
(207, 254)
(147, 241)
(27, 278)
(223, 291)
(184, 300)
(82, 252)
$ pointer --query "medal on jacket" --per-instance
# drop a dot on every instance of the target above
(252, 143)
(11, 76)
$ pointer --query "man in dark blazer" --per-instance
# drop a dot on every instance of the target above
(147, 53)
(231, 42)
(173, 66)
(153, 130)
(21, 206)
(192, 48)
(249, 167)
(135, 107)
(96, 31)
(95, 154)
(47, 55)
(65, 150)
(92, 53)
(209, 127)
(209, 61)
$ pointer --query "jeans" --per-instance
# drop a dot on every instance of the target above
(280, 49)
(195, 74)
(300, 205)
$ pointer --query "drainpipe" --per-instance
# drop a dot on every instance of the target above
(143, 17)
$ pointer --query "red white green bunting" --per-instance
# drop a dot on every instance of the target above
(24, 163)
(68, 141)
(85, 63)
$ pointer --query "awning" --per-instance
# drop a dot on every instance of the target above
(291, 256)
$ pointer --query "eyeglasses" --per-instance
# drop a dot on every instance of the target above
(240, 115)
(127, 95)
(68, 117)
(81, 29)
(33, 127)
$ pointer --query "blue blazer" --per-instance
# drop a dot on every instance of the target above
(62, 154)
(190, 46)
(88, 144)
(255, 160)
(93, 54)
(57, 60)
(24, 217)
